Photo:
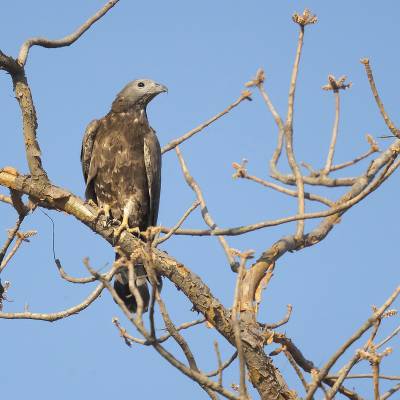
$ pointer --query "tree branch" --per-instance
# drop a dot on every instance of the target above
(65, 41)
(171, 145)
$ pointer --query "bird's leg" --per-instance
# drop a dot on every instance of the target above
(128, 209)
(123, 226)
(104, 210)
(92, 203)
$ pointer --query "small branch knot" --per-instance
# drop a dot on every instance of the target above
(336, 84)
(304, 19)
(241, 169)
(258, 80)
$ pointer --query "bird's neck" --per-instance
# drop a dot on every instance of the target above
(137, 114)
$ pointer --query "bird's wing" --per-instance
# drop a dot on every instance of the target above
(87, 155)
(152, 159)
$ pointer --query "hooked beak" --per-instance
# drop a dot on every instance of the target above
(161, 88)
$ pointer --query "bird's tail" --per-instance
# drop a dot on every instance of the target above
(121, 286)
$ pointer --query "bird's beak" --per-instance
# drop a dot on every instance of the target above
(161, 88)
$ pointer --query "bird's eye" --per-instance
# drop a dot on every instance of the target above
(140, 84)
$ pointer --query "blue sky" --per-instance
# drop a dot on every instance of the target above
(204, 52)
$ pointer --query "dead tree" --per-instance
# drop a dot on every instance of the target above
(239, 324)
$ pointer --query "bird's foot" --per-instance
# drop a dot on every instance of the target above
(104, 210)
(135, 231)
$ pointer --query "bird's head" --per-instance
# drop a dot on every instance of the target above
(137, 94)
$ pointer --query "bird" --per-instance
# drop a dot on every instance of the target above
(121, 165)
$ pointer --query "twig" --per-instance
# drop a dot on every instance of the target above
(370, 322)
(388, 121)
(225, 365)
(178, 224)
(364, 376)
(334, 85)
(21, 237)
(176, 142)
(309, 366)
(70, 278)
(161, 339)
(240, 230)
(296, 368)
(219, 360)
(10, 237)
(196, 376)
(391, 391)
(135, 291)
(51, 317)
(283, 321)
(288, 132)
(241, 172)
(65, 41)
(204, 210)
(332, 145)
(391, 336)
(346, 164)
(259, 82)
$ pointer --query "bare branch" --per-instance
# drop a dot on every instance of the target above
(391, 336)
(288, 132)
(196, 376)
(21, 237)
(391, 391)
(343, 205)
(332, 146)
(241, 172)
(51, 317)
(370, 322)
(388, 121)
(161, 339)
(282, 321)
(70, 278)
(178, 224)
(225, 365)
(296, 368)
(176, 142)
(365, 376)
(10, 237)
(65, 41)
(373, 149)
(204, 210)
(308, 366)
(219, 360)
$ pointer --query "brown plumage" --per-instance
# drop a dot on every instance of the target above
(121, 163)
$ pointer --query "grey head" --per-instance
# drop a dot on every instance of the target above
(136, 95)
